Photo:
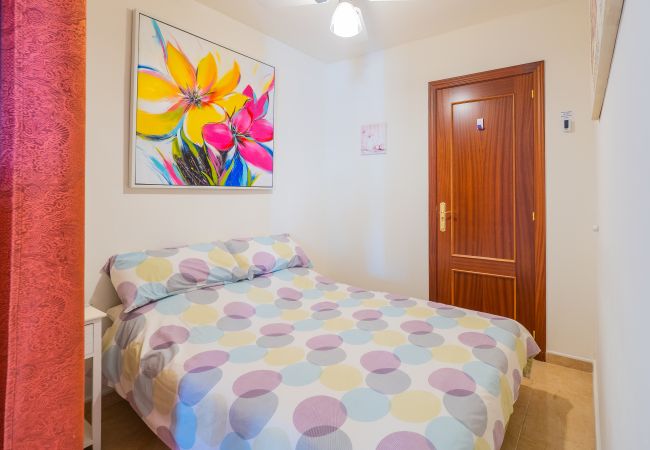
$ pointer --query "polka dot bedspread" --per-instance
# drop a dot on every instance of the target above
(294, 360)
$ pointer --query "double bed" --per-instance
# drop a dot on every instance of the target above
(291, 359)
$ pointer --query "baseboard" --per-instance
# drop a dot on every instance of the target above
(596, 405)
(572, 362)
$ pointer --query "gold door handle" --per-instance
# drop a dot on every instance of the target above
(443, 217)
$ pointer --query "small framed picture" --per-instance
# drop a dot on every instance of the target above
(373, 139)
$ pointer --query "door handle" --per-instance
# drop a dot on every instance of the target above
(443, 217)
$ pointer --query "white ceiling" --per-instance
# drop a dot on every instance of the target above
(388, 23)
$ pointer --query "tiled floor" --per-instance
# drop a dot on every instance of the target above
(554, 412)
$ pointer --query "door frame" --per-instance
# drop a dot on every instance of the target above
(537, 70)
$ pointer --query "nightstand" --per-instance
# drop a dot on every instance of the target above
(93, 349)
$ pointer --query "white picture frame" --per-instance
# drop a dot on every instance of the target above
(605, 20)
(223, 54)
(373, 138)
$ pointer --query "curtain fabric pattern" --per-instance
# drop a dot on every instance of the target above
(42, 114)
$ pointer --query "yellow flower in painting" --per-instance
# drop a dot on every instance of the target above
(189, 98)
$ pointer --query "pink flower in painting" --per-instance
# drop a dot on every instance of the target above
(244, 131)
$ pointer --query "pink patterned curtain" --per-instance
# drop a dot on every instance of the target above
(42, 114)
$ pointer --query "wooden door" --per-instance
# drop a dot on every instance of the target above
(487, 194)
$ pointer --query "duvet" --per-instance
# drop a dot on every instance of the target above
(294, 360)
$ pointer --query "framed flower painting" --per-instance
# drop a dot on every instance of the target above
(202, 114)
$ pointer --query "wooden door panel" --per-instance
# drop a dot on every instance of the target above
(490, 256)
(525, 188)
(477, 173)
(494, 294)
(482, 179)
(502, 267)
(481, 90)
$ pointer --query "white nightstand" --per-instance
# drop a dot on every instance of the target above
(93, 349)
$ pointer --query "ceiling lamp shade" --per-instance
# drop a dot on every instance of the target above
(346, 20)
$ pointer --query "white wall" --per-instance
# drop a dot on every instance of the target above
(624, 246)
(376, 226)
(362, 219)
(119, 219)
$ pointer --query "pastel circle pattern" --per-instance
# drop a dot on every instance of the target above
(370, 320)
(385, 376)
(326, 350)
(421, 334)
(256, 403)
(405, 440)
(227, 365)
(460, 398)
(275, 335)
(319, 416)
(237, 317)
(366, 405)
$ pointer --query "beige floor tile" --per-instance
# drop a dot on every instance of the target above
(559, 415)
(529, 444)
(510, 441)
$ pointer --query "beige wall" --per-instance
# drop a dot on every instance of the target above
(376, 226)
(623, 366)
(118, 219)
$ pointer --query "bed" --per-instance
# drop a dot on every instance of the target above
(294, 360)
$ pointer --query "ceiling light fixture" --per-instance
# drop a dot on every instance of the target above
(346, 20)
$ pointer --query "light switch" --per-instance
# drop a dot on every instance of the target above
(479, 124)
(567, 121)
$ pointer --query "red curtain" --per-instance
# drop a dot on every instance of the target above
(42, 113)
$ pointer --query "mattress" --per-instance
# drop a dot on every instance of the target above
(294, 360)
